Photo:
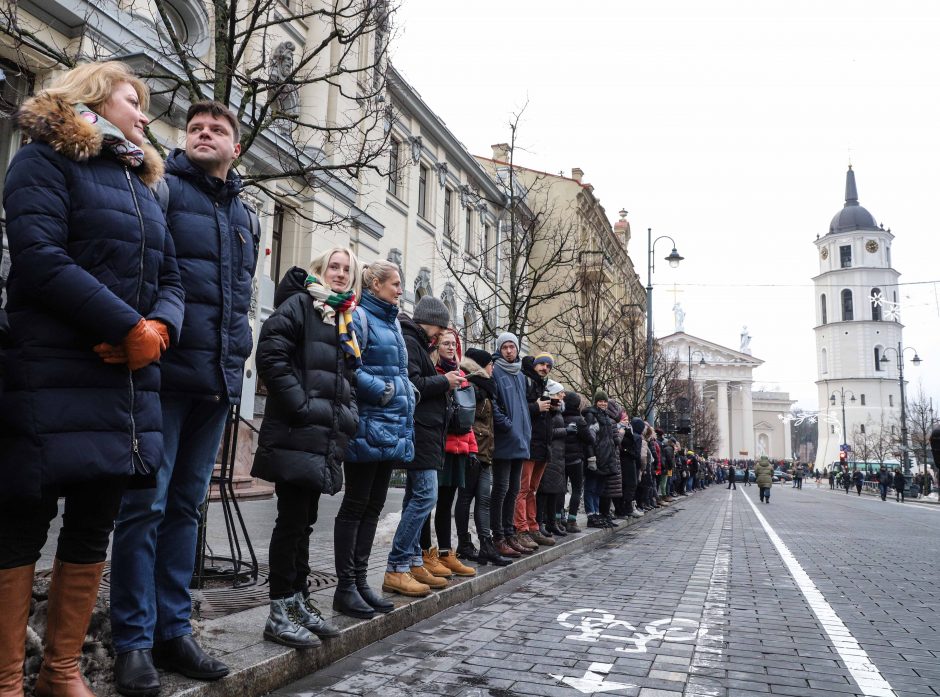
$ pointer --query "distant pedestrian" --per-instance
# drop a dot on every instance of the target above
(732, 477)
(885, 480)
(764, 473)
(899, 485)
(858, 480)
(832, 479)
(846, 479)
(747, 473)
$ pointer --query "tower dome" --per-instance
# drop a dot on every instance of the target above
(852, 216)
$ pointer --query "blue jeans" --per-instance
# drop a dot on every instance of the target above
(419, 500)
(154, 547)
(593, 486)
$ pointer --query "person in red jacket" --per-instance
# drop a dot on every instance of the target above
(458, 448)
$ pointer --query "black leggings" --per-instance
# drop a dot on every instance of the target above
(289, 553)
(506, 479)
(575, 475)
(477, 491)
(87, 522)
(365, 490)
(442, 518)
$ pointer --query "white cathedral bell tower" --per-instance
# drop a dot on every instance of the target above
(857, 318)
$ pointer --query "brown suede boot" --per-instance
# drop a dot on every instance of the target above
(422, 575)
(526, 540)
(16, 589)
(432, 563)
(72, 595)
(514, 542)
(404, 583)
(449, 560)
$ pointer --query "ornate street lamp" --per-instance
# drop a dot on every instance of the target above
(673, 260)
(832, 400)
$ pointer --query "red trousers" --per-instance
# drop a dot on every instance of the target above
(525, 518)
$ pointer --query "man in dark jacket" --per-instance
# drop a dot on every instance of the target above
(154, 547)
(542, 409)
(405, 563)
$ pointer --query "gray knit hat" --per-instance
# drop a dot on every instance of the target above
(503, 338)
(430, 310)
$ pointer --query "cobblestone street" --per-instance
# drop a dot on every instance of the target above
(816, 593)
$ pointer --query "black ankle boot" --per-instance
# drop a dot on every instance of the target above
(348, 601)
(488, 554)
(465, 548)
(373, 599)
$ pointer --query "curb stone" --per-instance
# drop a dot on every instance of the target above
(259, 666)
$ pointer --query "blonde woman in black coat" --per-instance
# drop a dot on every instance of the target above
(307, 356)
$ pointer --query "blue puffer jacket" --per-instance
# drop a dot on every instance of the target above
(216, 253)
(386, 431)
(91, 256)
(512, 443)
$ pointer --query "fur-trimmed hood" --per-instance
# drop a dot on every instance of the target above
(472, 368)
(55, 122)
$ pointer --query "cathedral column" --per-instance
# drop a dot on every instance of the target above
(724, 425)
(747, 421)
(787, 440)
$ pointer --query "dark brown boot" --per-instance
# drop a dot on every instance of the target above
(505, 549)
(72, 595)
(16, 590)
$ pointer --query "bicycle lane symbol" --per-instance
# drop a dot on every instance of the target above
(594, 625)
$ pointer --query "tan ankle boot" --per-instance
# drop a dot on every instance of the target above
(433, 564)
(404, 583)
(16, 590)
(422, 575)
(449, 559)
(72, 595)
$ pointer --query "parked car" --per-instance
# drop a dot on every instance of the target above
(781, 476)
(739, 475)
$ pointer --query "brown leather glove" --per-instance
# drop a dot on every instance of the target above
(111, 354)
(161, 329)
(143, 345)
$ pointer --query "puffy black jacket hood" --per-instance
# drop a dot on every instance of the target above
(292, 283)
(638, 425)
(572, 403)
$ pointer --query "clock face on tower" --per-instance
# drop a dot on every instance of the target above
(824, 253)
(871, 246)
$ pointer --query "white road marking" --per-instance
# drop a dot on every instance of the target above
(869, 679)
(593, 680)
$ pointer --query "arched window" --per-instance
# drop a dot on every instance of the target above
(862, 428)
(876, 304)
(823, 362)
(822, 308)
(863, 400)
(848, 314)
(878, 351)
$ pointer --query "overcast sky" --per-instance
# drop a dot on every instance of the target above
(726, 125)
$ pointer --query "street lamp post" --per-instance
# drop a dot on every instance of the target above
(899, 353)
(691, 395)
(673, 260)
(832, 400)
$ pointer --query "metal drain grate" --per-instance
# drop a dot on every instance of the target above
(222, 600)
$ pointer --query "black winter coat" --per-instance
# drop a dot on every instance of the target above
(434, 399)
(579, 441)
(310, 412)
(899, 481)
(604, 449)
(541, 420)
(217, 254)
(553, 478)
(91, 256)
